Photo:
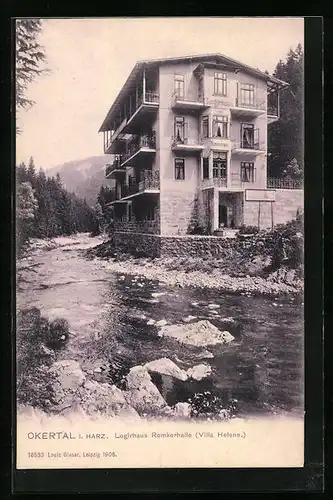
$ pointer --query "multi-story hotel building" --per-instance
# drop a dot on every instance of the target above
(188, 137)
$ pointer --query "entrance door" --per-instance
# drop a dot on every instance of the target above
(223, 215)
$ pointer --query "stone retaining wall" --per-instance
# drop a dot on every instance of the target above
(139, 244)
(151, 245)
(197, 246)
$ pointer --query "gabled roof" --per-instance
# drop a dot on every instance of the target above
(273, 83)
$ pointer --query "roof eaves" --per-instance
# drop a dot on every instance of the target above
(280, 84)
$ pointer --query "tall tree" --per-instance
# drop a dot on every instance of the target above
(26, 207)
(30, 56)
(285, 136)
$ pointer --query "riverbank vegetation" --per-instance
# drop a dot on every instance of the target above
(37, 341)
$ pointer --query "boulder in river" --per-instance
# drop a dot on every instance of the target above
(141, 393)
(189, 318)
(68, 374)
(103, 398)
(182, 410)
(202, 333)
(199, 372)
(161, 322)
(165, 366)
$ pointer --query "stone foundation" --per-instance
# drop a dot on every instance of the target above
(139, 244)
(151, 245)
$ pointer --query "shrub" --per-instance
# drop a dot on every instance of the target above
(195, 228)
(205, 404)
(37, 339)
(248, 230)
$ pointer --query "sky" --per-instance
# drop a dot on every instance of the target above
(90, 59)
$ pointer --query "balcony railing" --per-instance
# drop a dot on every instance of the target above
(255, 146)
(120, 123)
(145, 141)
(273, 110)
(284, 183)
(185, 99)
(110, 196)
(115, 165)
(243, 180)
(150, 97)
(218, 182)
(250, 104)
(250, 140)
(150, 180)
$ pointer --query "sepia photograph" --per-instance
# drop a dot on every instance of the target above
(159, 242)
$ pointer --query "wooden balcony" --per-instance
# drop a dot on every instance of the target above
(272, 114)
(214, 182)
(123, 126)
(250, 147)
(238, 181)
(242, 108)
(114, 169)
(145, 106)
(185, 102)
(186, 144)
(142, 145)
(149, 184)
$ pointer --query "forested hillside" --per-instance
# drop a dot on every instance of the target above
(84, 176)
(45, 208)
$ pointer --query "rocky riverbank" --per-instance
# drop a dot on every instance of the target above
(169, 271)
(72, 389)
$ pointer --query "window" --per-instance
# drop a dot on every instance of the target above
(220, 84)
(179, 83)
(246, 96)
(179, 128)
(247, 171)
(179, 169)
(205, 168)
(220, 126)
(205, 126)
(247, 135)
(220, 164)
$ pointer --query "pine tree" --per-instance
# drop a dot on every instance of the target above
(30, 55)
(26, 206)
(285, 136)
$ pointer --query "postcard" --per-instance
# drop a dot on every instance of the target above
(159, 238)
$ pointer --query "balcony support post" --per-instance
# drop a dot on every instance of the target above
(144, 85)
(216, 209)
(210, 166)
(229, 169)
(278, 104)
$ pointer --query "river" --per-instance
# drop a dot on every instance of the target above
(261, 370)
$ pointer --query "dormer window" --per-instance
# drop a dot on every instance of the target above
(220, 83)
